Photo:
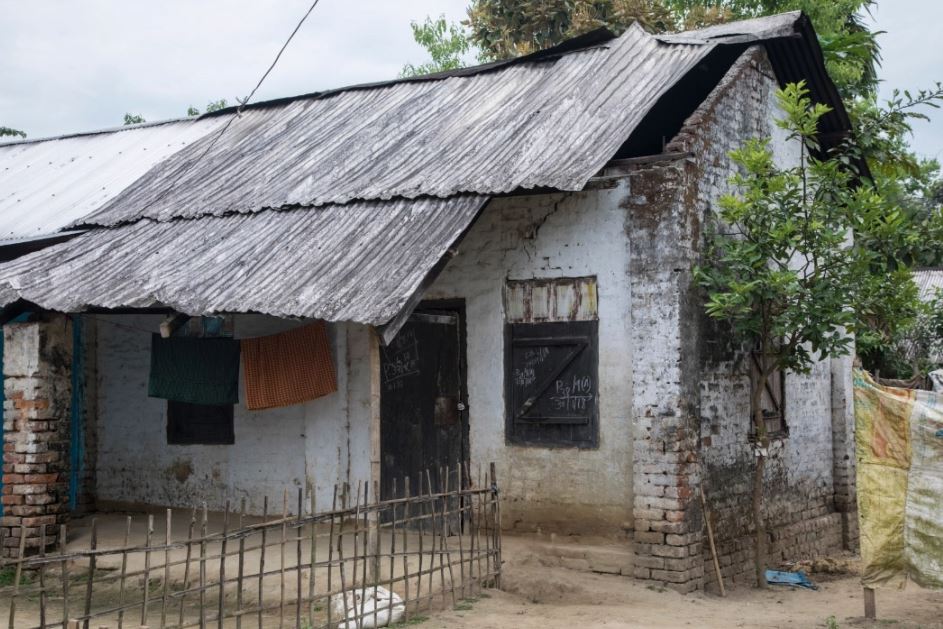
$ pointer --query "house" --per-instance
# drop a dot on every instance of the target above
(503, 257)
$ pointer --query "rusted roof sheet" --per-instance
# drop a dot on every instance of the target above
(49, 183)
(358, 262)
(552, 121)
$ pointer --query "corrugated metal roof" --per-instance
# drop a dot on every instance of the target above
(399, 170)
(550, 122)
(48, 184)
(358, 262)
(928, 281)
(795, 55)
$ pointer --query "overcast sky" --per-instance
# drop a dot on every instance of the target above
(72, 66)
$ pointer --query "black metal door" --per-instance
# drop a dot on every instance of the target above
(423, 421)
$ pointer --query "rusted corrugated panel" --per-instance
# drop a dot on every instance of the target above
(546, 123)
(48, 184)
(551, 299)
(358, 262)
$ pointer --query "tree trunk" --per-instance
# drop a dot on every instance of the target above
(759, 522)
(761, 444)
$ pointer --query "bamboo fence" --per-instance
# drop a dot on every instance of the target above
(431, 545)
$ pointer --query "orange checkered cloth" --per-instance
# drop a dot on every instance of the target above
(288, 368)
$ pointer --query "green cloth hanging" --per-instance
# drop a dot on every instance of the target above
(194, 370)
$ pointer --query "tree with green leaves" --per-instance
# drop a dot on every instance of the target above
(510, 28)
(213, 105)
(789, 261)
(445, 42)
(130, 119)
(9, 132)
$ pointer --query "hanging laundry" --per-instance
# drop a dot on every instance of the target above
(194, 370)
(288, 368)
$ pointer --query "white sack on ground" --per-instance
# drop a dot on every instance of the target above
(384, 602)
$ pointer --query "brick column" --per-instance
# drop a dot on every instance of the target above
(843, 449)
(665, 313)
(36, 419)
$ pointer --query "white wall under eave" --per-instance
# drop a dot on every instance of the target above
(543, 236)
(318, 443)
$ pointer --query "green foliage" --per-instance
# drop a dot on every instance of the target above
(7, 575)
(779, 267)
(7, 131)
(446, 44)
(509, 28)
(213, 105)
(133, 119)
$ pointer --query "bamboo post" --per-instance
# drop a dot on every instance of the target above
(281, 565)
(186, 566)
(298, 538)
(710, 539)
(17, 574)
(167, 538)
(421, 526)
(241, 569)
(262, 558)
(340, 559)
(330, 554)
(42, 576)
(870, 605)
(147, 568)
(497, 525)
(444, 539)
(221, 604)
(313, 532)
(461, 530)
(64, 569)
(393, 496)
(373, 550)
(124, 572)
(407, 510)
(203, 524)
(93, 544)
(364, 536)
(436, 543)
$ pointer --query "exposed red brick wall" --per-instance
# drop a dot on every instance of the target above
(36, 420)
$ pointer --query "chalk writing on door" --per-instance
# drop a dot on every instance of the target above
(401, 359)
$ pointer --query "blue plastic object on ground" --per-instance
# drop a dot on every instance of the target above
(794, 579)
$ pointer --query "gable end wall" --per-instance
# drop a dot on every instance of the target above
(802, 518)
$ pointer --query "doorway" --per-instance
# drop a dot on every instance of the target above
(423, 401)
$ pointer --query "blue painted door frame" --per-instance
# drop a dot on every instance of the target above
(77, 423)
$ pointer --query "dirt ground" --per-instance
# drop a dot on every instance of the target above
(538, 592)
(538, 596)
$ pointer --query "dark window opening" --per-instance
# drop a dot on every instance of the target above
(199, 424)
(551, 383)
(772, 401)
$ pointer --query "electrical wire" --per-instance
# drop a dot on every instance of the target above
(242, 103)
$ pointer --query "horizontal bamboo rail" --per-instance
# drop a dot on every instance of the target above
(439, 544)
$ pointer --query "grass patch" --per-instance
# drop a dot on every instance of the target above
(831, 623)
(6, 576)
